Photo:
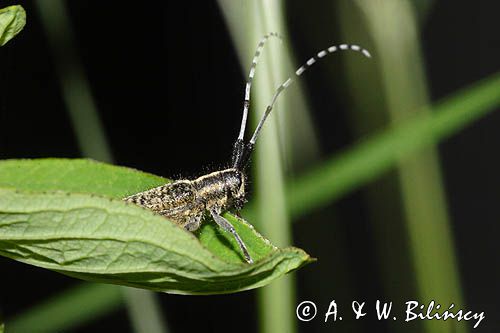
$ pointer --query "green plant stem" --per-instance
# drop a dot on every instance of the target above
(74, 84)
(417, 183)
(431, 244)
(376, 155)
(144, 310)
(248, 22)
(89, 131)
(69, 309)
(276, 300)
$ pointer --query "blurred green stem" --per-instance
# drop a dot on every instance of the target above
(144, 311)
(142, 305)
(74, 85)
(374, 156)
(277, 300)
(248, 22)
(73, 307)
(392, 26)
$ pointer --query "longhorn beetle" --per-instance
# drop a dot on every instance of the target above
(187, 202)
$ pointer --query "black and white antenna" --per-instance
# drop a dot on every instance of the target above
(248, 86)
(242, 151)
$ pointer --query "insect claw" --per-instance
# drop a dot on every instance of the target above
(249, 260)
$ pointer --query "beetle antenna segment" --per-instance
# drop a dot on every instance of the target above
(240, 156)
(248, 86)
(298, 72)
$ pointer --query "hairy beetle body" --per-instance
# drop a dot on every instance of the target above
(185, 202)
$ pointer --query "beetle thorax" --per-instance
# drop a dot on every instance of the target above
(222, 190)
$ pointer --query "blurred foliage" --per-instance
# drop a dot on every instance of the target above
(377, 154)
(72, 308)
(12, 21)
(422, 217)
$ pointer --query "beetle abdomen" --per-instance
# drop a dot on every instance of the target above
(176, 200)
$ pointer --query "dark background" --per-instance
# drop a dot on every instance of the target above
(169, 90)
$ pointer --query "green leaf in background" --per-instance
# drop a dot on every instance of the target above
(82, 228)
(2, 328)
(12, 21)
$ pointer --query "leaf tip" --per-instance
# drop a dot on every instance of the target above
(12, 22)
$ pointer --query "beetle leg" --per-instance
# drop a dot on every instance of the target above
(226, 225)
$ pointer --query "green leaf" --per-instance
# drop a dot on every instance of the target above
(81, 227)
(75, 175)
(12, 21)
(2, 328)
